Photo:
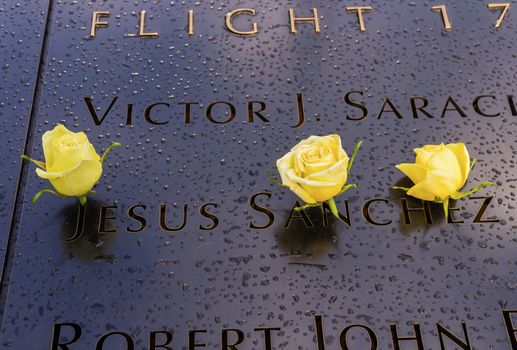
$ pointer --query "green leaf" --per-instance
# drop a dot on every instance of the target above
(46, 190)
(333, 207)
(352, 157)
(112, 146)
(346, 188)
(272, 179)
(459, 195)
(307, 206)
(83, 200)
(474, 161)
(400, 188)
(37, 162)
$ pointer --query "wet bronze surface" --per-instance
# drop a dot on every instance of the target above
(171, 242)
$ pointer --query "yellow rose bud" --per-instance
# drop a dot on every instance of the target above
(71, 163)
(439, 171)
(315, 169)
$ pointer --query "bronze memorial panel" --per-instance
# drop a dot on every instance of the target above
(22, 31)
(188, 243)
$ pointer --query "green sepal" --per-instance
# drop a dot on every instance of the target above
(400, 188)
(333, 207)
(112, 146)
(305, 206)
(474, 161)
(46, 190)
(459, 194)
(37, 162)
(352, 157)
(272, 179)
(83, 200)
(346, 188)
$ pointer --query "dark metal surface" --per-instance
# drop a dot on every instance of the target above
(22, 28)
(235, 276)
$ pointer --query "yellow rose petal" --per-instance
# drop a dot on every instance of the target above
(439, 183)
(446, 162)
(415, 172)
(48, 138)
(284, 165)
(421, 191)
(78, 181)
(462, 154)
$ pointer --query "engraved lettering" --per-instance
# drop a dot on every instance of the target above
(505, 6)
(163, 218)
(131, 213)
(229, 24)
(206, 214)
(147, 113)
(450, 217)
(359, 105)
(417, 337)
(479, 216)
(326, 209)
(513, 108)
(141, 28)
(187, 110)
(224, 339)
(302, 216)
(152, 340)
(319, 332)
(445, 17)
(79, 227)
(300, 110)
(478, 110)
(406, 212)
(127, 338)
(104, 218)
(209, 116)
(359, 10)
(190, 23)
(93, 113)
(129, 114)
(415, 109)
(465, 345)
(252, 112)
(392, 109)
(96, 22)
(268, 212)
(507, 315)
(56, 336)
(314, 19)
(371, 335)
(366, 212)
(267, 335)
(192, 342)
(456, 108)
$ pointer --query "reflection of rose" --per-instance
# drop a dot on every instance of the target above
(315, 169)
(439, 171)
(71, 163)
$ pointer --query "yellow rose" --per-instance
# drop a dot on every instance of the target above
(71, 163)
(315, 169)
(439, 171)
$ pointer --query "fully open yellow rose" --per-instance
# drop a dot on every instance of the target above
(315, 169)
(71, 163)
(439, 171)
